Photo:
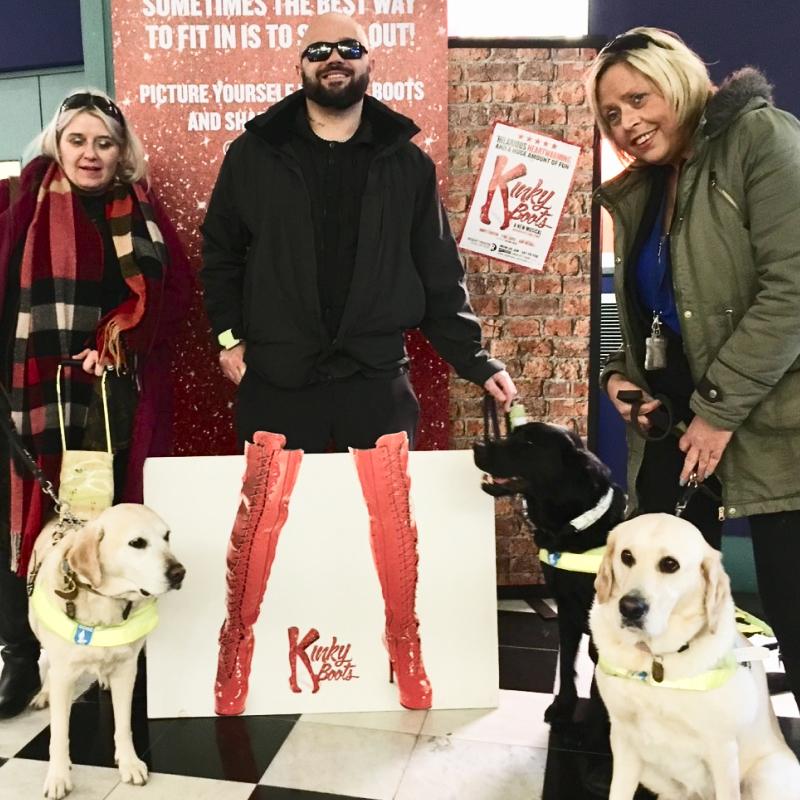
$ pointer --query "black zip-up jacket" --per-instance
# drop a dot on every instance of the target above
(260, 262)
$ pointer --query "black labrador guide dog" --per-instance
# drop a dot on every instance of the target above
(571, 504)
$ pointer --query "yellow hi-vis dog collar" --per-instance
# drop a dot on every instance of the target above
(718, 676)
(138, 624)
(574, 562)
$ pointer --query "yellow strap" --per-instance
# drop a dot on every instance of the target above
(138, 624)
(705, 681)
(575, 562)
(748, 624)
(61, 410)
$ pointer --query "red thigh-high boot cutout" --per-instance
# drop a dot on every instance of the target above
(499, 165)
(267, 484)
(393, 535)
(515, 172)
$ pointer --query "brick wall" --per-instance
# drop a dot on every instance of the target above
(536, 322)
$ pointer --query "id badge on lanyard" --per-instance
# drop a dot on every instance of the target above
(655, 347)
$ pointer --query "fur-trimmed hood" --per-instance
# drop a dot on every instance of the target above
(742, 91)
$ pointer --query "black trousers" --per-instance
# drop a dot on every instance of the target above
(350, 412)
(16, 636)
(776, 551)
(658, 490)
(657, 485)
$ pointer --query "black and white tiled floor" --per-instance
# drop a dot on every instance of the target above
(506, 753)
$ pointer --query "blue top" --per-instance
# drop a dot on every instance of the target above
(654, 276)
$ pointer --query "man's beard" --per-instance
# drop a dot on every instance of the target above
(339, 97)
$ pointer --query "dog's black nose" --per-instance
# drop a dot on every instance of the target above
(633, 607)
(176, 572)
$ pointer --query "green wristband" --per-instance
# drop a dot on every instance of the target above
(228, 340)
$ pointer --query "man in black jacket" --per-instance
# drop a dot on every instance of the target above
(325, 238)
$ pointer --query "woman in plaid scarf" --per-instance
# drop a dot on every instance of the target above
(92, 270)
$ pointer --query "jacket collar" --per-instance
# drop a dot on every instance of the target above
(275, 125)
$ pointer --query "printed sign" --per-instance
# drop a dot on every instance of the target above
(519, 198)
(189, 74)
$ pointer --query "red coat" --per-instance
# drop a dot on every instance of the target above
(152, 426)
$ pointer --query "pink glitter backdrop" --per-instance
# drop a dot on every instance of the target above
(188, 73)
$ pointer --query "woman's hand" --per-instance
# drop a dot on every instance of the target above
(232, 364)
(704, 445)
(618, 383)
(91, 361)
(501, 387)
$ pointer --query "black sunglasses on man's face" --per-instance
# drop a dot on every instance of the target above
(349, 49)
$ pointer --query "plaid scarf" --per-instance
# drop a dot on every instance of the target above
(59, 314)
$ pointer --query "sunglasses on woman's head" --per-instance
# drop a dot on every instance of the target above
(84, 100)
(349, 49)
(629, 41)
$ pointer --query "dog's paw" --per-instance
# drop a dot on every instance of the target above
(58, 783)
(561, 710)
(41, 700)
(133, 770)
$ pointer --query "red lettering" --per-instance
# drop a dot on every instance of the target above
(298, 650)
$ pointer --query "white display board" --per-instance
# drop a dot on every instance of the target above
(323, 577)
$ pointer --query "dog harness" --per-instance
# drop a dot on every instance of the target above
(574, 562)
(136, 626)
(718, 676)
(588, 561)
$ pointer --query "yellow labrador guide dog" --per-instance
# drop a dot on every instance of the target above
(687, 695)
(93, 601)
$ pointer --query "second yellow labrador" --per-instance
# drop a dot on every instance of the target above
(93, 603)
(690, 712)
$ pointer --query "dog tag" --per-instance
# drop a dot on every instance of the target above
(655, 347)
(658, 670)
(83, 635)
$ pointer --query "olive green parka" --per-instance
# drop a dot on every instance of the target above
(735, 251)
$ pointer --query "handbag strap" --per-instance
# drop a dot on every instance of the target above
(61, 405)
(491, 424)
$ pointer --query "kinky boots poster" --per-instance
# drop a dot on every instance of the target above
(190, 73)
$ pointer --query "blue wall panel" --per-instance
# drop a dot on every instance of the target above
(727, 35)
(37, 34)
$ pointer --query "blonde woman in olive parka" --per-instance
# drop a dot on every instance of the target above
(707, 253)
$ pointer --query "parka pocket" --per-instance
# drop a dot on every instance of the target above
(722, 192)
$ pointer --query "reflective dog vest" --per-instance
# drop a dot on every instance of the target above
(712, 679)
(138, 624)
(574, 562)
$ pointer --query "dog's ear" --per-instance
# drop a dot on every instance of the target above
(83, 555)
(604, 582)
(718, 588)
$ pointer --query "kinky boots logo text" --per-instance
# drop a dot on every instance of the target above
(534, 208)
(332, 662)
